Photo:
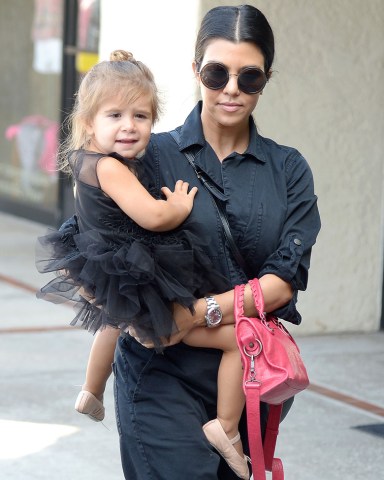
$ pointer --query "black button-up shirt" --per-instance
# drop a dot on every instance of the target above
(271, 205)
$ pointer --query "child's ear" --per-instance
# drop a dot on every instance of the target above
(88, 128)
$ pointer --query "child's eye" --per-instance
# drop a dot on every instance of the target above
(142, 116)
(115, 115)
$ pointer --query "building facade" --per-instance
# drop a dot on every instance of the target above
(325, 98)
(48, 45)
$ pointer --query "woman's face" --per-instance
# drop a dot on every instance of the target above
(229, 106)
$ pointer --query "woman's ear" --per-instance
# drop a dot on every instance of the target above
(195, 70)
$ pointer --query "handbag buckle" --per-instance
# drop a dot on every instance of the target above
(253, 355)
(250, 352)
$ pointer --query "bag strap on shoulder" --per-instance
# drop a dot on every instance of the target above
(218, 197)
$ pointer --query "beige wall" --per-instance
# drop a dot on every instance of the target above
(326, 98)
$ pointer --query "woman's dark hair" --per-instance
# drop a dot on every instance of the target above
(236, 24)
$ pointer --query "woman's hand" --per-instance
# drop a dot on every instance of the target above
(185, 322)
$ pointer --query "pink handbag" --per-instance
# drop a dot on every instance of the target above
(273, 371)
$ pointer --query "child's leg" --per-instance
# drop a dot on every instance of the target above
(100, 360)
(230, 401)
(99, 368)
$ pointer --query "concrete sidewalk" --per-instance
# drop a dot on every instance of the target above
(334, 431)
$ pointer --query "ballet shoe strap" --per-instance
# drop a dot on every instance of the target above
(235, 439)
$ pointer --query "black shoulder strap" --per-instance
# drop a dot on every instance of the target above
(200, 175)
(218, 198)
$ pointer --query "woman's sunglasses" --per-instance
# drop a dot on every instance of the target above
(250, 80)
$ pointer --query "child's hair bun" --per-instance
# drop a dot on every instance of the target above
(121, 56)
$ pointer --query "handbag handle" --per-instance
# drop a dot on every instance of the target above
(258, 299)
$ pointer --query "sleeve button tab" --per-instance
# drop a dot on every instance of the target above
(297, 241)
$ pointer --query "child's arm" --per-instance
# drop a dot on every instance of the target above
(119, 183)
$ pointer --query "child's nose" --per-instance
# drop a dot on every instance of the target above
(129, 124)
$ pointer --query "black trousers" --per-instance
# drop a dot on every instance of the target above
(162, 401)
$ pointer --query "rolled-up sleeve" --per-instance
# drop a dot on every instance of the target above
(291, 260)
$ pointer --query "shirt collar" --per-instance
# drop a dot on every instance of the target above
(255, 144)
(191, 132)
(191, 135)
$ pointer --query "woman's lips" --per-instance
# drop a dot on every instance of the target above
(230, 107)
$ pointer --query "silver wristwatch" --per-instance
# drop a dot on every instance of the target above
(214, 314)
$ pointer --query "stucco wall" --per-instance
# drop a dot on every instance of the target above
(325, 98)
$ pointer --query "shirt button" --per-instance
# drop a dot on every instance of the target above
(297, 241)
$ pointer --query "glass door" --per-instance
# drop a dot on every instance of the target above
(47, 46)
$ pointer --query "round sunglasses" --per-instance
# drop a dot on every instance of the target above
(250, 80)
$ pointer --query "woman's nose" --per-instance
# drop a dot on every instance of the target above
(232, 86)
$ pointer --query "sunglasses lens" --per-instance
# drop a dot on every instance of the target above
(252, 80)
(214, 76)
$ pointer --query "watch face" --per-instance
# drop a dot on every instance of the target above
(214, 316)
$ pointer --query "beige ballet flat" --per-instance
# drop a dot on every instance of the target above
(88, 404)
(218, 439)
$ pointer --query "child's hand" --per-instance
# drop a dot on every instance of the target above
(180, 196)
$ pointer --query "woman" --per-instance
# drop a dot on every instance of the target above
(163, 400)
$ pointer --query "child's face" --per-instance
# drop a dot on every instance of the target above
(121, 128)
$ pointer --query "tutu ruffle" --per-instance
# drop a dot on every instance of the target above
(128, 285)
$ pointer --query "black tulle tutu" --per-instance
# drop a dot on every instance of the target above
(126, 285)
